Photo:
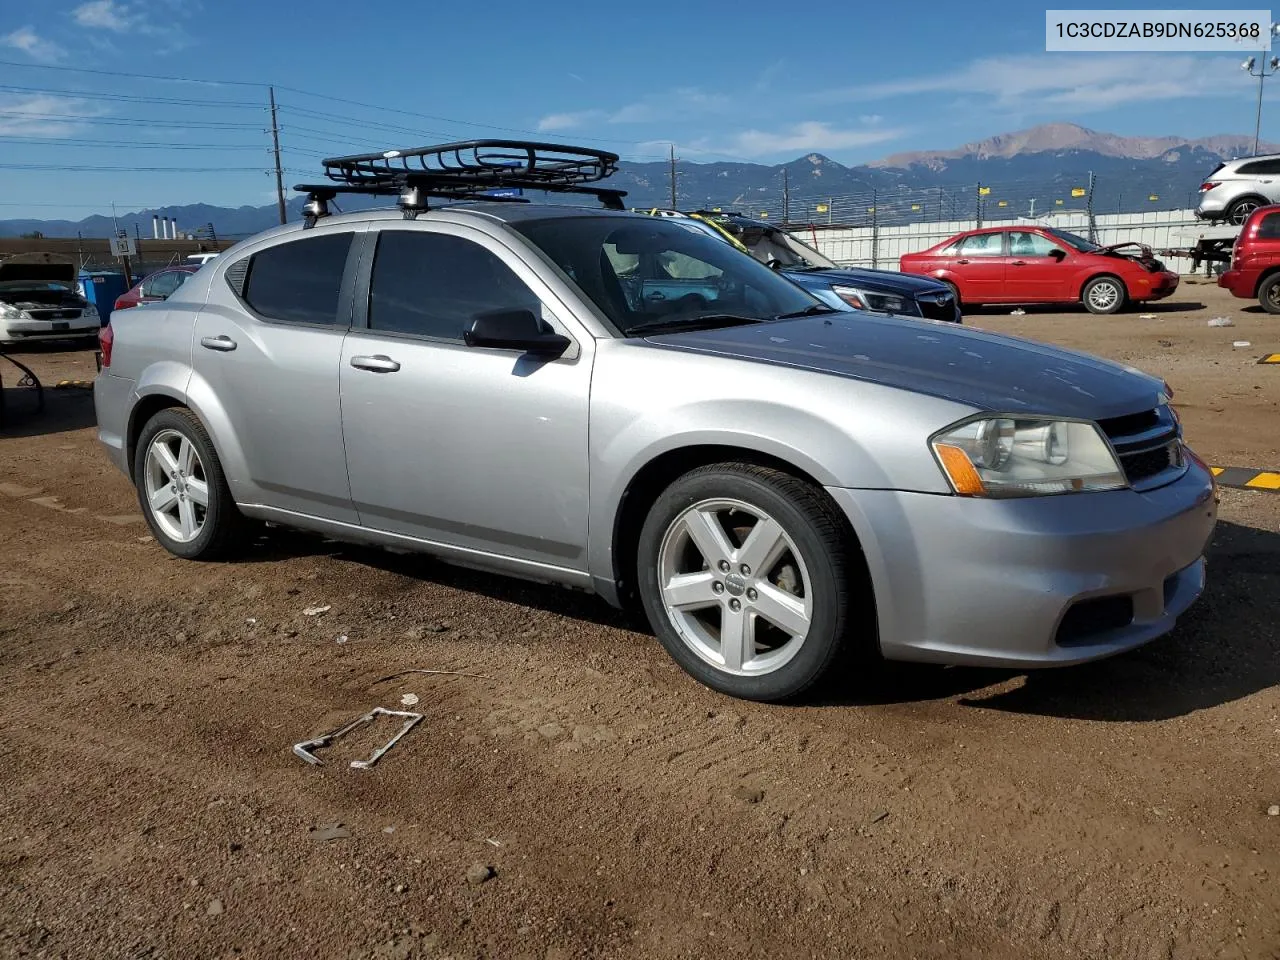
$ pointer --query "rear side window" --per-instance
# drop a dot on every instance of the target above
(1259, 168)
(1269, 228)
(433, 285)
(299, 281)
(982, 245)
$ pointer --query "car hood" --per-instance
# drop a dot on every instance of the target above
(988, 371)
(886, 280)
(39, 268)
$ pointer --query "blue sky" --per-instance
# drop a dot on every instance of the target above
(746, 80)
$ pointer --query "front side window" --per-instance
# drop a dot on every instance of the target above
(1024, 243)
(1075, 242)
(982, 245)
(434, 284)
(642, 271)
(299, 281)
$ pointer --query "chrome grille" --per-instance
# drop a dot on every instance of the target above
(70, 314)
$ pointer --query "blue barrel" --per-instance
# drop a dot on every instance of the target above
(101, 288)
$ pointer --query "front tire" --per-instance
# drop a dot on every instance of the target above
(1104, 295)
(745, 574)
(182, 490)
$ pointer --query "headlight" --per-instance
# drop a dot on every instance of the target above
(861, 299)
(89, 310)
(9, 312)
(1007, 457)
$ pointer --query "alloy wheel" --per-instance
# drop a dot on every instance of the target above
(177, 488)
(735, 587)
(1104, 295)
(1240, 212)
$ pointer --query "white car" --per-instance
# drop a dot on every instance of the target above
(39, 300)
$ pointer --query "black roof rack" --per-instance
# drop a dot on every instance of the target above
(466, 170)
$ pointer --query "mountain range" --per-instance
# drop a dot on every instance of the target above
(1043, 164)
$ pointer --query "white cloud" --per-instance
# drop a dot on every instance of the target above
(679, 104)
(811, 135)
(33, 45)
(105, 15)
(871, 119)
(158, 20)
(567, 121)
(1077, 82)
(44, 116)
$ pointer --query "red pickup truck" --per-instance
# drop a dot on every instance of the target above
(1255, 260)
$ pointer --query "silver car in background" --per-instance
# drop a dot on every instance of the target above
(1238, 187)
(624, 405)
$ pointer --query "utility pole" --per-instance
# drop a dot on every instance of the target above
(275, 146)
(674, 204)
(786, 198)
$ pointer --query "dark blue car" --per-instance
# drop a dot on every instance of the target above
(846, 288)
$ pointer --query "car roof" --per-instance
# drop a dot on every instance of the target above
(503, 212)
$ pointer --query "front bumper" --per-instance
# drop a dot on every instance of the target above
(1160, 286)
(21, 331)
(990, 582)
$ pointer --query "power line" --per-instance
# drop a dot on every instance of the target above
(76, 168)
(129, 76)
(131, 121)
(130, 98)
(129, 144)
(310, 93)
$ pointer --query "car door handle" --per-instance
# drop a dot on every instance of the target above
(380, 363)
(225, 344)
(1019, 263)
(962, 261)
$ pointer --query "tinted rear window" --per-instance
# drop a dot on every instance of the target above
(299, 281)
(1269, 228)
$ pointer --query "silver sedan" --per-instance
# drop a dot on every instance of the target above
(621, 404)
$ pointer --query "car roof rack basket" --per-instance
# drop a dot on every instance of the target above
(482, 170)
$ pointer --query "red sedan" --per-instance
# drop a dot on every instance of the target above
(1034, 264)
(155, 286)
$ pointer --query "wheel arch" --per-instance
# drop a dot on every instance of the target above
(658, 473)
(1263, 277)
(1098, 275)
(148, 405)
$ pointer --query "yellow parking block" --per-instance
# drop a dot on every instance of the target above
(1247, 478)
(1270, 358)
(1265, 481)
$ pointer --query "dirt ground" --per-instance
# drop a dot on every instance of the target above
(581, 797)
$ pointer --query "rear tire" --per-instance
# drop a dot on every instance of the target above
(1269, 293)
(1104, 295)
(1239, 211)
(182, 490)
(767, 633)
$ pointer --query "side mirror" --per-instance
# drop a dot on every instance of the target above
(1058, 254)
(514, 330)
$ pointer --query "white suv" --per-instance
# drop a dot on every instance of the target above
(1238, 187)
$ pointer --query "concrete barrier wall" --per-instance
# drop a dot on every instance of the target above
(865, 247)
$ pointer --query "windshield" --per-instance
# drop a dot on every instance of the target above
(1074, 242)
(642, 270)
